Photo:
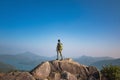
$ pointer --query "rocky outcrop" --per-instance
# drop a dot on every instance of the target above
(65, 70)
(16, 76)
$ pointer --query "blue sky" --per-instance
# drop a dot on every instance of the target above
(85, 27)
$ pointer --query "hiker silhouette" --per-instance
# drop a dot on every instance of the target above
(59, 49)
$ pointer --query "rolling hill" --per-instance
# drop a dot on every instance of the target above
(27, 61)
(101, 63)
(6, 67)
(88, 60)
(23, 61)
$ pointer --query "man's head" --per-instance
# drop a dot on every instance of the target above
(58, 40)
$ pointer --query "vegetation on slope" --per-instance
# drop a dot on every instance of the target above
(111, 72)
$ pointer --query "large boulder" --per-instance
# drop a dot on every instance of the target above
(66, 69)
(42, 71)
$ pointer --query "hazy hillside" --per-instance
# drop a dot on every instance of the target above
(6, 67)
(87, 60)
(23, 61)
(28, 60)
(99, 64)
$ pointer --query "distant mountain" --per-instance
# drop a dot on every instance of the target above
(27, 56)
(101, 63)
(6, 67)
(87, 60)
(23, 61)
(28, 60)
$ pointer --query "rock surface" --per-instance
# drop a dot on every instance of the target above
(16, 76)
(42, 71)
(66, 69)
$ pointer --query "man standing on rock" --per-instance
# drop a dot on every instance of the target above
(59, 49)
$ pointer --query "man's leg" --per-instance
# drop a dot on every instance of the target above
(61, 55)
(57, 55)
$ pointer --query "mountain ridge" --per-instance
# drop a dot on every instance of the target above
(30, 60)
(100, 64)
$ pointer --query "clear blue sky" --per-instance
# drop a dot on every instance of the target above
(85, 27)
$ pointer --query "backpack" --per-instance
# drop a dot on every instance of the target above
(59, 46)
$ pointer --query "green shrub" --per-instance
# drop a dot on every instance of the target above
(111, 72)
